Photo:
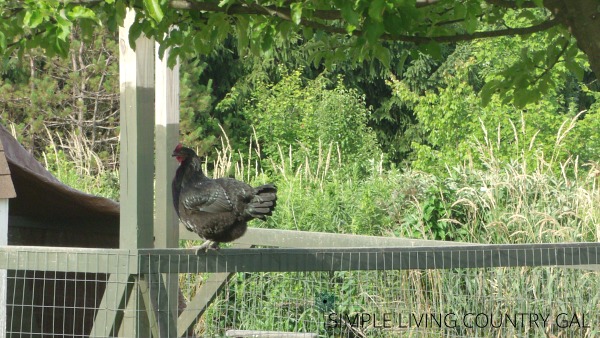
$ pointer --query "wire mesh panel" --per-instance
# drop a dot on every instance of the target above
(499, 302)
(542, 290)
(399, 292)
(59, 292)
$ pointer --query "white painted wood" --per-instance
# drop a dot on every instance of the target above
(166, 228)
(166, 224)
(136, 70)
(3, 281)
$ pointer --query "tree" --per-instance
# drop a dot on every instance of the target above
(69, 103)
(364, 25)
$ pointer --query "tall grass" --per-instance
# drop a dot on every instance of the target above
(530, 199)
(74, 163)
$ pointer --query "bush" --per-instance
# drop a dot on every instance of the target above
(309, 116)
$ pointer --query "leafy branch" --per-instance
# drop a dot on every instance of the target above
(513, 4)
(286, 14)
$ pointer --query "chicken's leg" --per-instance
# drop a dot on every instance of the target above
(204, 247)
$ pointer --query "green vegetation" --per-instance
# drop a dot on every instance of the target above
(498, 202)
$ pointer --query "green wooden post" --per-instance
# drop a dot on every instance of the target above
(136, 69)
(166, 228)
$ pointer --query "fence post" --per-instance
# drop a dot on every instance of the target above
(136, 69)
(7, 191)
(166, 227)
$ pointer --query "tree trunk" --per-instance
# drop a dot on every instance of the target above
(582, 19)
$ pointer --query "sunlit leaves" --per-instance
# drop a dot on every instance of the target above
(296, 10)
(154, 10)
(45, 24)
(33, 19)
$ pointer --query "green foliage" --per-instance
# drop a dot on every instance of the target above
(338, 31)
(309, 116)
(452, 118)
(436, 216)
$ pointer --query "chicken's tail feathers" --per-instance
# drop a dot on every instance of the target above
(264, 201)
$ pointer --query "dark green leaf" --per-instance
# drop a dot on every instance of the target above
(575, 68)
(242, 33)
(120, 12)
(393, 24)
(383, 54)
(349, 14)
(433, 49)
(460, 10)
(376, 9)
(488, 90)
(373, 31)
(470, 24)
(539, 3)
(135, 31)
(62, 47)
(521, 97)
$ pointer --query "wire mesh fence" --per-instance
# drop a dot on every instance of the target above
(498, 302)
(478, 291)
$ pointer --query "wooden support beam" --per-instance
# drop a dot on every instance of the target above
(3, 242)
(196, 307)
(136, 69)
(166, 228)
(202, 300)
(374, 258)
(156, 301)
(110, 311)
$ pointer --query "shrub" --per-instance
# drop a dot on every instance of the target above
(308, 116)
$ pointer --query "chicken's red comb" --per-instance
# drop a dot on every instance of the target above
(179, 146)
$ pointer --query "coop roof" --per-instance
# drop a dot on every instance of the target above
(42, 201)
(7, 190)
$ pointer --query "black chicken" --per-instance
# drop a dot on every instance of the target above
(216, 209)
